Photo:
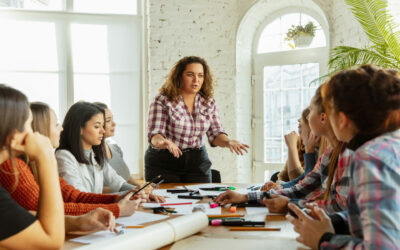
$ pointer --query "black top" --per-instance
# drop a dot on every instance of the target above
(13, 218)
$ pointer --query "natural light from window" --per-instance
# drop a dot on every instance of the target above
(272, 38)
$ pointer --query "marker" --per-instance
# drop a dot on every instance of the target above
(271, 187)
(213, 205)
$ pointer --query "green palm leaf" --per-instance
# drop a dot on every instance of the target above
(345, 57)
(378, 25)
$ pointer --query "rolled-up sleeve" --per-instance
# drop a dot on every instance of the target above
(215, 124)
(156, 122)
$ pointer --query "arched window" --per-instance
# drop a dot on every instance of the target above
(283, 76)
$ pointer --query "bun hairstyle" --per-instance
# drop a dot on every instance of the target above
(368, 95)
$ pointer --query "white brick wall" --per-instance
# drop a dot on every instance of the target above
(209, 28)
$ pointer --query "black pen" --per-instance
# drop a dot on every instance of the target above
(148, 183)
(243, 223)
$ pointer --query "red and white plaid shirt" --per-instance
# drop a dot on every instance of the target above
(174, 122)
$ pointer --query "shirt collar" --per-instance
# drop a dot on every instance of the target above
(358, 141)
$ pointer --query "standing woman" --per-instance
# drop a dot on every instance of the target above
(19, 228)
(181, 114)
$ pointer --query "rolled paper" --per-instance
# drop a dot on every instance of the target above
(157, 235)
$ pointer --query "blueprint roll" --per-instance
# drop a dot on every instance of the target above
(157, 235)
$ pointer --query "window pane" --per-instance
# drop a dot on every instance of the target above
(291, 110)
(273, 36)
(90, 48)
(272, 150)
(28, 46)
(272, 116)
(33, 4)
(106, 6)
(92, 88)
(286, 94)
(291, 76)
(272, 77)
(33, 84)
(310, 73)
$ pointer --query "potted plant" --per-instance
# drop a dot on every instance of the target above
(302, 36)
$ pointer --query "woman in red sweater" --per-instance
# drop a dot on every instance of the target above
(26, 193)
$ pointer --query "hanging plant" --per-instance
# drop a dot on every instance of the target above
(302, 36)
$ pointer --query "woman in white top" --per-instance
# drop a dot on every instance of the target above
(81, 154)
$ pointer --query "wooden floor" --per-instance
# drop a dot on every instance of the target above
(221, 238)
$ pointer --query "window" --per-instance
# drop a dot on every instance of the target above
(62, 56)
(283, 84)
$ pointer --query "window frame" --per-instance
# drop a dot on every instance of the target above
(260, 60)
(62, 20)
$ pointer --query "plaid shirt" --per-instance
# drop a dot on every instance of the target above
(174, 121)
(314, 184)
(374, 198)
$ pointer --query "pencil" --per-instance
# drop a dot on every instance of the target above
(271, 187)
(135, 226)
(225, 215)
(254, 229)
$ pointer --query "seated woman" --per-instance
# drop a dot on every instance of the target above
(19, 228)
(26, 193)
(327, 184)
(371, 126)
(113, 151)
(302, 153)
(80, 155)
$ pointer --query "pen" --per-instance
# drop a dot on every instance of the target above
(224, 215)
(148, 183)
(254, 229)
(174, 204)
(135, 226)
(156, 186)
(237, 223)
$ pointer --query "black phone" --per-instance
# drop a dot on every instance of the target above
(302, 208)
(266, 195)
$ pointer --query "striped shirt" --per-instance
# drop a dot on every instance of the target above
(174, 121)
(374, 198)
(313, 186)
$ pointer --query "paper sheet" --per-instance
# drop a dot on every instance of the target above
(256, 210)
(101, 235)
(155, 236)
(169, 201)
(139, 218)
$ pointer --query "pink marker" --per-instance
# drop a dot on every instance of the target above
(214, 205)
(216, 222)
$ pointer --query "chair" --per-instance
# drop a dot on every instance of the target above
(274, 177)
(215, 176)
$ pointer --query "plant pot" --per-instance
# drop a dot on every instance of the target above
(302, 41)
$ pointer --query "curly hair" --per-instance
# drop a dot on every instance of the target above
(172, 86)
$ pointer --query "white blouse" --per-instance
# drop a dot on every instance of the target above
(87, 177)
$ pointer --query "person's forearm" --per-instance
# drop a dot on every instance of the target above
(51, 206)
(222, 140)
(71, 223)
(133, 181)
(293, 161)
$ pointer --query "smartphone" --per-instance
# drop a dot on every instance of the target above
(266, 195)
(302, 208)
